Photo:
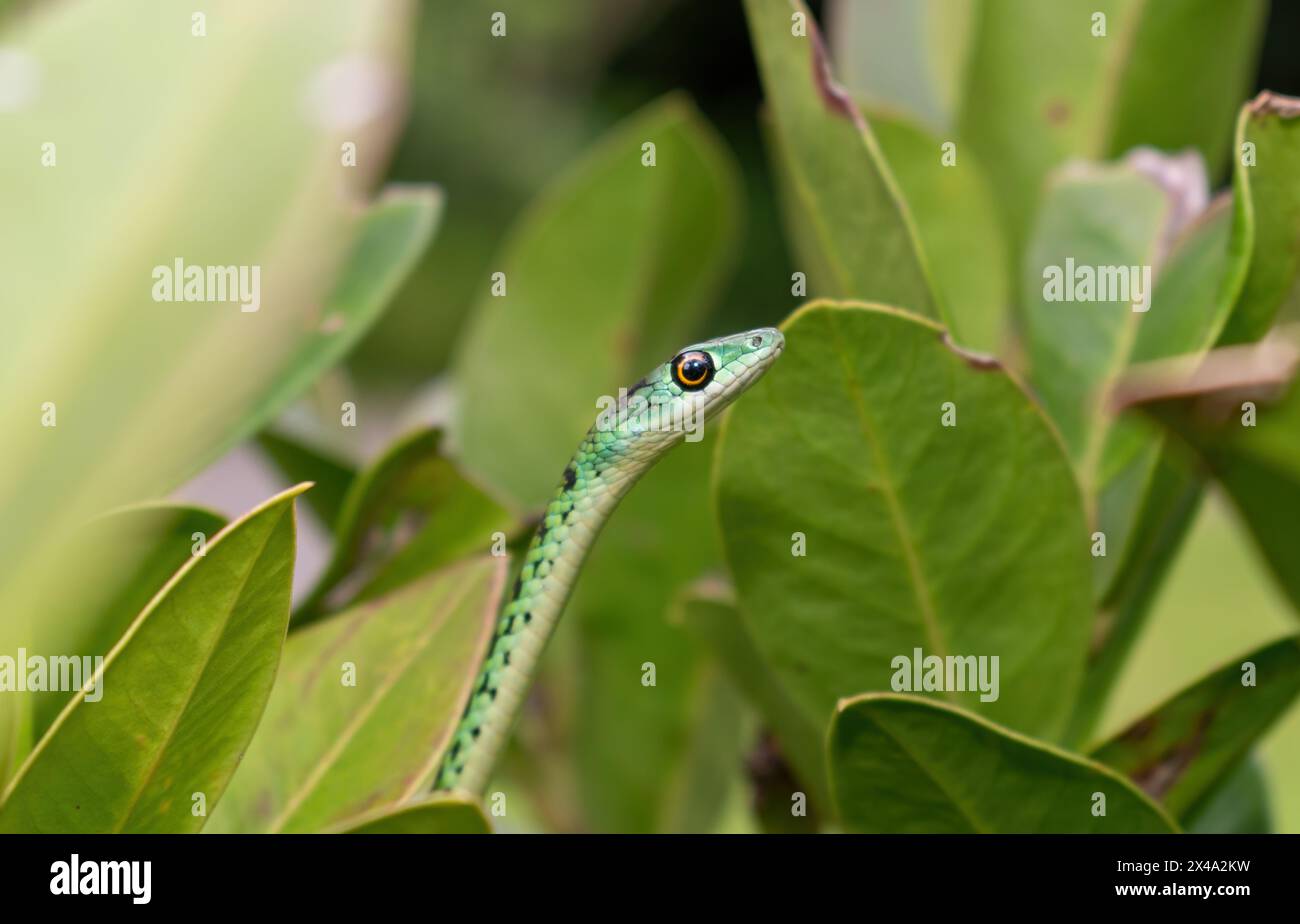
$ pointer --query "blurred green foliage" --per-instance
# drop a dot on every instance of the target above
(922, 165)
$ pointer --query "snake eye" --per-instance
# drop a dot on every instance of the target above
(693, 369)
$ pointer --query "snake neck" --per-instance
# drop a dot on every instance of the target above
(600, 473)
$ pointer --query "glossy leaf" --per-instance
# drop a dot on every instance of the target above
(901, 764)
(603, 277)
(364, 704)
(182, 693)
(959, 540)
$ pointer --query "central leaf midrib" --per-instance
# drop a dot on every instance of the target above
(911, 556)
(965, 812)
(198, 677)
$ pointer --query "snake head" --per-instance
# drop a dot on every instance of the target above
(714, 373)
(691, 387)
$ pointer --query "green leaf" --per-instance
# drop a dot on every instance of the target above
(129, 554)
(956, 221)
(393, 234)
(301, 461)
(439, 815)
(1240, 805)
(182, 693)
(125, 556)
(153, 390)
(1258, 466)
(411, 489)
(711, 757)
(1186, 315)
(1129, 215)
(1266, 233)
(906, 55)
(15, 735)
(711, 614)
(631, 742)
(546, 99)
(364, 704)
(1042, 88)
(1168, 510)
(1187, 310)
(604, 276)
(851, 227)
(1092, 217)
(1186, 66)
(1147, 495)
(961, 540)
(902, 765)
(1218, 601)
(1183, 748)
(1032, 96)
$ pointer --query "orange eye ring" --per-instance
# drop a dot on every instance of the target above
(693, 369)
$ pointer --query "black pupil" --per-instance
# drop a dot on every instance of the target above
(694, 370)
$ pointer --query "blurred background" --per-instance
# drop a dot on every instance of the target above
(495, 122)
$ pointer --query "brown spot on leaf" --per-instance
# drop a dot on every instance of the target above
(263, 805)
(1140, 731)
(1057, 112)
(1158, 776)
(1101, 629)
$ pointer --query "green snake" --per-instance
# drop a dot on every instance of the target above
(658, 412)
